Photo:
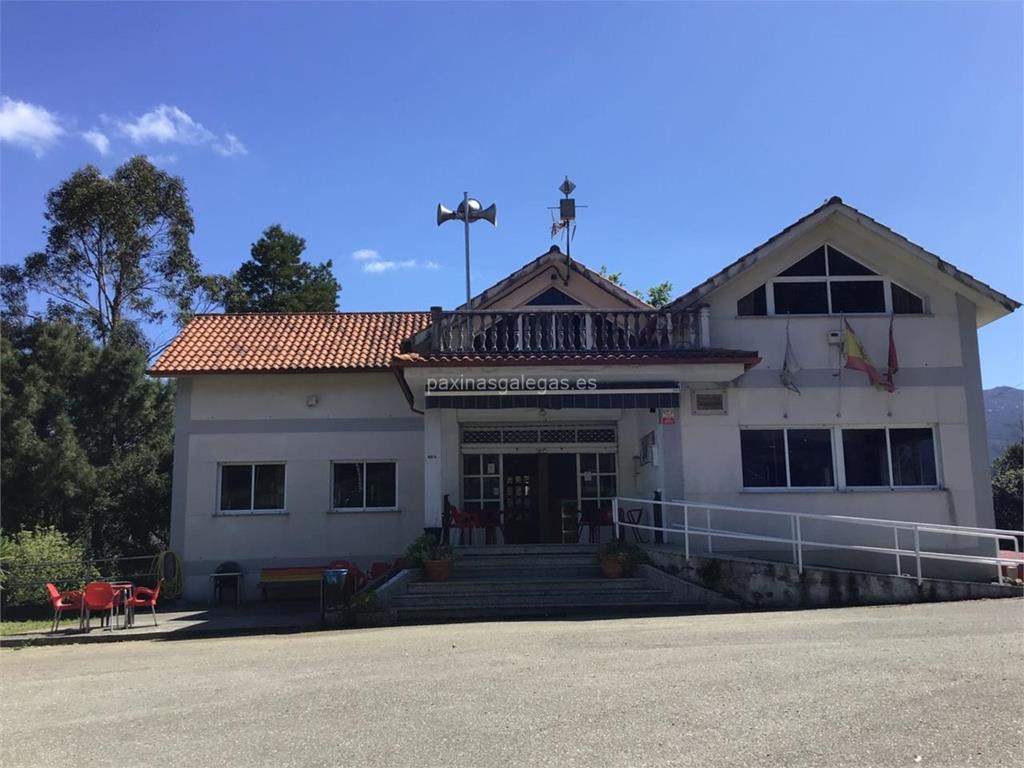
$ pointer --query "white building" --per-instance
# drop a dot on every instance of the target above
(305, 438)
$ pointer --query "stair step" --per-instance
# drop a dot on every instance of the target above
(439, 615)
(528, 549)
(525, 585)
(551, 598)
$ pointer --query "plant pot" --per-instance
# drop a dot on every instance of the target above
(611, 567)
(437, 570)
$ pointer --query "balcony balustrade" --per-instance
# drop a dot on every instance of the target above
(518, 331)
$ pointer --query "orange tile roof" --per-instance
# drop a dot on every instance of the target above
(289, 342)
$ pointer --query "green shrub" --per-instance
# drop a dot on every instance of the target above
(29, 559)
(427, 548)
(630, 554)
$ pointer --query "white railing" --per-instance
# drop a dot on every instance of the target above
(697, 519)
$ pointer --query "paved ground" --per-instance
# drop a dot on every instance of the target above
(925, 685)
(184, 622)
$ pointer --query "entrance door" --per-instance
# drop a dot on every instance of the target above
(521, 504)
(560, 515)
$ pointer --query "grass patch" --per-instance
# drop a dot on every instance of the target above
(30, 625)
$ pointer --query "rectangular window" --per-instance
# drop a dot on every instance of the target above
(892, 457)
(787, 458)
(913, 457)
(364, 485)
(481, 482)
(857, 296)
(251, 488)
(801, 298)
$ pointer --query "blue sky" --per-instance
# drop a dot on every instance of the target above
(693, 131)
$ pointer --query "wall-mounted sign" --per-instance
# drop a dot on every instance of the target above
(667, 416)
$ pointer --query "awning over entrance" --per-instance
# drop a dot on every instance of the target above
(550, 394)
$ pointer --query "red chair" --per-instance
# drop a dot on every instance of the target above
(62, 602)
(595, 520)
(99, 596)
(465, 521)
(379, 570)
(143, 597)
(352, 568)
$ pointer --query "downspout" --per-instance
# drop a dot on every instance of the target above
(404, 385)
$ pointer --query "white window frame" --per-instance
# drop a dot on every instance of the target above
(252, 488)
(839, 460)
(500, 475)
(598, 474)
(828, 280)
(364, 508)
(888, 452)
(785, 448)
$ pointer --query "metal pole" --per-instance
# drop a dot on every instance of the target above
(686, 530)
(917, 553)
(708, 510)
(615, 516)
(799, 546)
(465, 217)
(896, 539)
(999, 566)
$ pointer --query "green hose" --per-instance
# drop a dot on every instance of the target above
(167, 568)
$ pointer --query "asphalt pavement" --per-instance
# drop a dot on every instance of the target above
(922, 685)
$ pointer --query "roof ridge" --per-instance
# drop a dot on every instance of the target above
(314, 314)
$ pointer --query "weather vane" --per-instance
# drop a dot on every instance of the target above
(566, 214)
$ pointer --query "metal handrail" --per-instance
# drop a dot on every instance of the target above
(798, 542)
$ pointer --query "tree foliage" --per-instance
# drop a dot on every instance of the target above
(117, 251)
(29, 559)
(87, 439)
(657, 295)
(1008, 488)
(276, 279)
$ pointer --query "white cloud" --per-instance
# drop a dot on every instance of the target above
(376, 267)
(28, 125)
(170, 159)
(365, 254)
(165, 125)
(230, 145)
(98, 140)
(431, 265)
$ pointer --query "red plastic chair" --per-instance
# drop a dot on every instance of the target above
(144, 597)
(62, 602)
(465, 521)
(595, 520)
(99, 596)
(352, 568)
(379, 570)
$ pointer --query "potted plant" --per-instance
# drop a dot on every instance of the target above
(618, 559)
(435, 559)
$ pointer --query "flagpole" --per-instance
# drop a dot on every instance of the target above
(842, 353)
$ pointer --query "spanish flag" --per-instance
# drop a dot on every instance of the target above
(857, 359)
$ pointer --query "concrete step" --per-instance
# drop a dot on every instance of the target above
(537, 572)
(512, 584)
(440, 615)
(528, 549)
(515, 599)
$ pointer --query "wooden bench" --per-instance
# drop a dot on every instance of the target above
(300, 575)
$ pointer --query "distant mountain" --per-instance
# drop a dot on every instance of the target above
(1004, 415)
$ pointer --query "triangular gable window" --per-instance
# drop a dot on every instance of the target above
(552, 297)
(828, 282)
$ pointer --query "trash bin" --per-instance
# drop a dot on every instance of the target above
(337, 588)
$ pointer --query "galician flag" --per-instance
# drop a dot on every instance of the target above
(857, 359)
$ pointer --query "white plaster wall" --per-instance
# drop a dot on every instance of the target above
(266, 419)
